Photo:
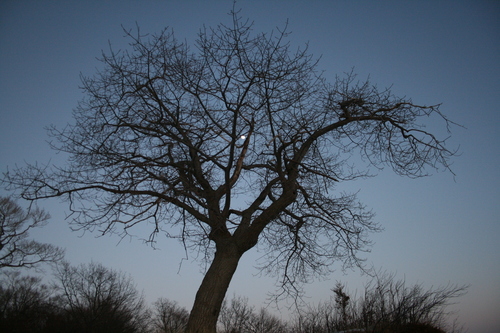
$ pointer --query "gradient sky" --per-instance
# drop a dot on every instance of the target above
(438, 230)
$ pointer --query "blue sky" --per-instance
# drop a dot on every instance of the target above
(438, 229)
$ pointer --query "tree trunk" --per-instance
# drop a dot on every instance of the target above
(210, 295)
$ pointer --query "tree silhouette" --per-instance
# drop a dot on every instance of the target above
(16, 249)
(168, 317)
(385, 305)
(235, 142)
(26, 304)
(99, 299)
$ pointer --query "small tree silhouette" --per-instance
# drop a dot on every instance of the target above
(341, 304)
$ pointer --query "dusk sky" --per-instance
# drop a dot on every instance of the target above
(438, 230)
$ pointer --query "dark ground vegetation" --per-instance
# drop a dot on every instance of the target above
(93, 298)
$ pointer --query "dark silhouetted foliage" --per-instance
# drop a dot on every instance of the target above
(92, 298)
(168, 317)
(99, 299)
(26, 304)
(387, 305)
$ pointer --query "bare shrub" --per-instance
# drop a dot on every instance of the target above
(238, 317)
(169, 317)
(387, 305)
(99, 299)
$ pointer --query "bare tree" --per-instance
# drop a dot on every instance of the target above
(320, 318)
(235, 315)
(342, 300)
(236, 142)
(391, 303)
(98, 299)
(264, 322)
(26, 304)
(16, 250)
(238, 317)
(386, 305)
(168, 317)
